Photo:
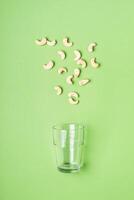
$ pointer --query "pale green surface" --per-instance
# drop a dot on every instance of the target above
(29, 107)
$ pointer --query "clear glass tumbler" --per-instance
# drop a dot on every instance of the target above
(68, 140)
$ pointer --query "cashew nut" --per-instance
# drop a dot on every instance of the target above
(51, 43)
(73, 102)
(66, 42)
(91, 47)
(69, 79)
(94, 64)
(77, 54)
(62, 54)
(73, 98)
(49, 65)
(84, 82)
(77, 72)
(62, 70)
(58, 89)
(73, 94)
(41, 42)
(82, 62)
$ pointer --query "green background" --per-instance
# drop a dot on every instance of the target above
(29, 106)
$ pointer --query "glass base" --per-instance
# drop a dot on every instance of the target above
(69, 168)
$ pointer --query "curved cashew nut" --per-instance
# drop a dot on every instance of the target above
(62, 54)
(82, 62)
(62, 70)
(73, 102)
(73, 98)
(69, 79)
(66, 42)
(58, 89)
(73, 94)
(41, 42)
(84, 82)
(77, 72)
(51, 43)
(49, 65)
(94, 64)
(91, 47)
(77, 54)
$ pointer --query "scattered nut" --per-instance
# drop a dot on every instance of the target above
(94, 64)
(82, 62)
(69, 79)
(62, 70)
(73, 98)
(58, 89)
(73, 94)
(77, 72)
(66, 42)
(73, 102)
(62, 54)
(49, 65)
(41, 42)
(91, 47)
(77, 54)
(51, 43)
(84, 82)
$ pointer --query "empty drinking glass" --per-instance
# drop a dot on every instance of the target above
(68, 140)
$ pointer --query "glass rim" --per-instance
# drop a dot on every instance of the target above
(61, 126)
